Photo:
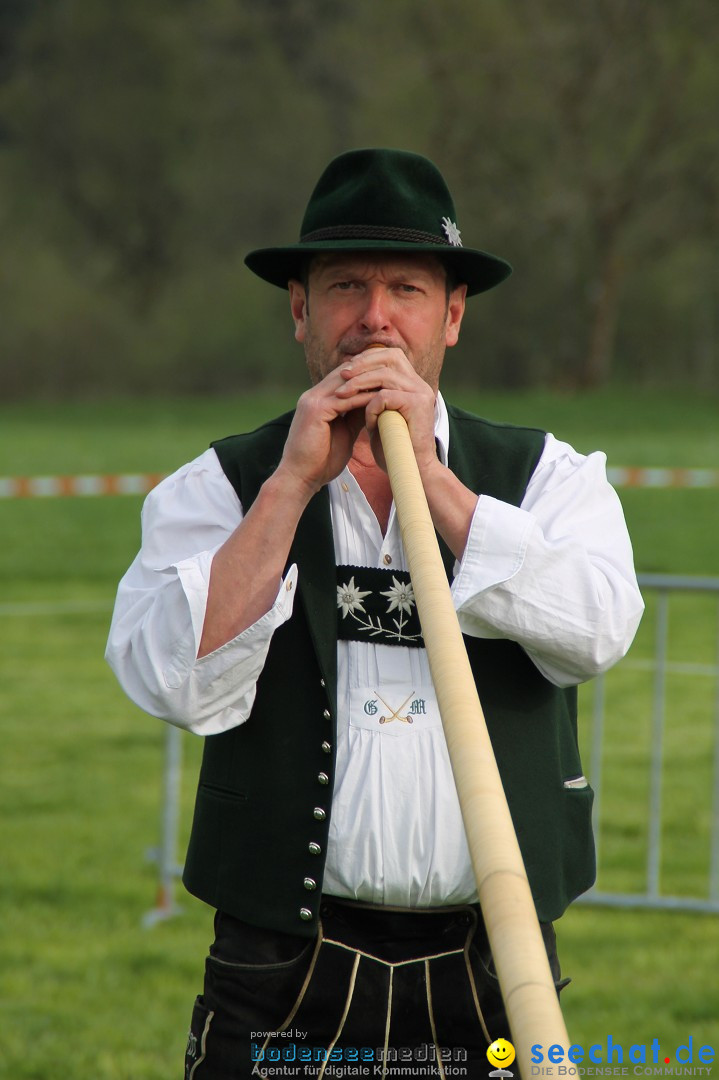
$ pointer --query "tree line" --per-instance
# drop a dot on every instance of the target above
(145, 148)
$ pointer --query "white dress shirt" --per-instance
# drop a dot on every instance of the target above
(555, 575)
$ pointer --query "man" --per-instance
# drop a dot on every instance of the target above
(327, 832)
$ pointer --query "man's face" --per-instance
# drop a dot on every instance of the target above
(394, 299)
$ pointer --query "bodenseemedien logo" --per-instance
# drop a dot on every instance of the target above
(500, 1054)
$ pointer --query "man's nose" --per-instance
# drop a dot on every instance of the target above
(376, 313)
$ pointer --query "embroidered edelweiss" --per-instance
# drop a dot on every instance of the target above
(401, 596)
(404, 629)
(350, 597)
(452, 232)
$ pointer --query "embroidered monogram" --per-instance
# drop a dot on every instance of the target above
(394, 713)
(368, 612)
(400, 710)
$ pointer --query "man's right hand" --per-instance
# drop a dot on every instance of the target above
(246, 570)
(323, 433)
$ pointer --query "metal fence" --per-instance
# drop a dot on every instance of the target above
(165, 855)
(660, 591)
(662, 666)
(663, 589)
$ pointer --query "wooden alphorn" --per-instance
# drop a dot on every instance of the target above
(515, 937)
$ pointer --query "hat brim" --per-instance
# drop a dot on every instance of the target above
(479, 270)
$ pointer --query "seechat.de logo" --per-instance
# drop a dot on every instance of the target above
(639, 1059)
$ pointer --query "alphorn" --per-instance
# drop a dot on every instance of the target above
(518, 950)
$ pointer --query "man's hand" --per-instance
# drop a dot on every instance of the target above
(323, 433)
(330, 416)
(247, 568)
(390, 381)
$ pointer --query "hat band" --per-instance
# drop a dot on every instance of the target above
(373, 232)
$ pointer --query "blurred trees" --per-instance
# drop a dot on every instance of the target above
(145, 148)
(593, 126)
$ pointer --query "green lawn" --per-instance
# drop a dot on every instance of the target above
(87, 993)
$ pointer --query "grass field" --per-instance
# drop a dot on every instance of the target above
(86, 992)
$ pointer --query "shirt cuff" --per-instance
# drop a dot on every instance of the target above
(194, 576)
(495, 548)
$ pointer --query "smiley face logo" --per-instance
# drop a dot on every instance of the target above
(500, 1053)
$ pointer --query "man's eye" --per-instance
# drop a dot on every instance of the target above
(409, 288)
(343, 285)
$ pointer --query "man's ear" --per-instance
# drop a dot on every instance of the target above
(298, 307)
(455, 313)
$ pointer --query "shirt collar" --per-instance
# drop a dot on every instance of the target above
(441, 428)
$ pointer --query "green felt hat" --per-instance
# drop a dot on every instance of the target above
(381, 200)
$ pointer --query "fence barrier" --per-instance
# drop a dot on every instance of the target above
(27, 487)
(661, 666)
(664, 586)
(39, 487)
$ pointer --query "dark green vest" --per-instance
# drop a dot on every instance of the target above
(259, 836)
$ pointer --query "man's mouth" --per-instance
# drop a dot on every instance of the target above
(354, 346)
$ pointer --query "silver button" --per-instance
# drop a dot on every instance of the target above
(310, 883)
(323, 778)
(319, 814)
(322, 682)
(314, 849)
(387, 560)
(327, 747)
(327, 714)
(305, 914)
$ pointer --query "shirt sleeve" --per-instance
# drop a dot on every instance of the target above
(555, 574)
(160, 608)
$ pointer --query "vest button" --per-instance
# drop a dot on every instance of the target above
(319, 814)
(322, 683)
(327, 714)
(387, 560)
(310, 883)
(305, 914)
(314, 849)
(323, 778)
(327, 747)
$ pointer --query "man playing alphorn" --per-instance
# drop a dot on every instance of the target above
(270, 610)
